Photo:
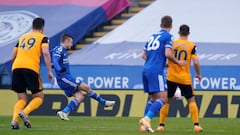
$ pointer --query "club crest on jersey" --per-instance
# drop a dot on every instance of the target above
(13, 24)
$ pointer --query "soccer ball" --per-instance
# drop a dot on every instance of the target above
(178, 94)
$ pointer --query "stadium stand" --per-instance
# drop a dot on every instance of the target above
(93, 35)
(76, 17)
(120, 50)
(119, 47)
(85, 20)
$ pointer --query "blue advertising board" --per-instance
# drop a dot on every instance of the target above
(104, 77)
(218, 78)
(130, 77)
(119, 66)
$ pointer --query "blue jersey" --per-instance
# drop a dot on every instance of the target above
(60, 60)
(64, 79)
(155, 51)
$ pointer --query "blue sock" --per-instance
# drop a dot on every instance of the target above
(148, 105)
(73, 104)
(95, 96)
(156, 106)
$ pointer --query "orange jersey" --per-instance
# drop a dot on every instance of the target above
(29, 49)
(182, 50)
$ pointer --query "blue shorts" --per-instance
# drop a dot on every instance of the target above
(154, 82)
(68, 84)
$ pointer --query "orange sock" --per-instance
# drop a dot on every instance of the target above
(33, 105)
(17, 108)
(193, 109)
(163, 113)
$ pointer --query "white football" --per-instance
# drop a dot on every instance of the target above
(178, 94)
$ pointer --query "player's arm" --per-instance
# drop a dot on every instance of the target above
(169, 55)
(14, 53)
(46, 54)
(144, 55)
(56, 60)
(47, 58)
(196, 64)
(56, 65)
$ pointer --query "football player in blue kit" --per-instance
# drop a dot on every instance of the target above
(69, 84)
(156, 52)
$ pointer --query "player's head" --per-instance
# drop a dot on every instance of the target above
(67, 40)
(38, 24)
(184, 30)
(166, 22)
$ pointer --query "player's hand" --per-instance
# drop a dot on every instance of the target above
(182, 62)
(52, 65)
(51, 77)
(198, 77)
(62, 70)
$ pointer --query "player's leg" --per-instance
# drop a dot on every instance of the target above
(19, 86)
(146, 89)
(145, 124)
(148, 106)
(171, 86)
(94, 95)
(34, 83)
(35, 103)
(193, 109)
(78, 98)
(18, 107)
(162, 117)
(154, 109)
(157, 90)
(71, 88)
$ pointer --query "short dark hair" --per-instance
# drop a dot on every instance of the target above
(166, 21)
(38, 23)
(184, 30)
(65, 36)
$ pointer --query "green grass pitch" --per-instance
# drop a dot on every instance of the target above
(52, 125)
